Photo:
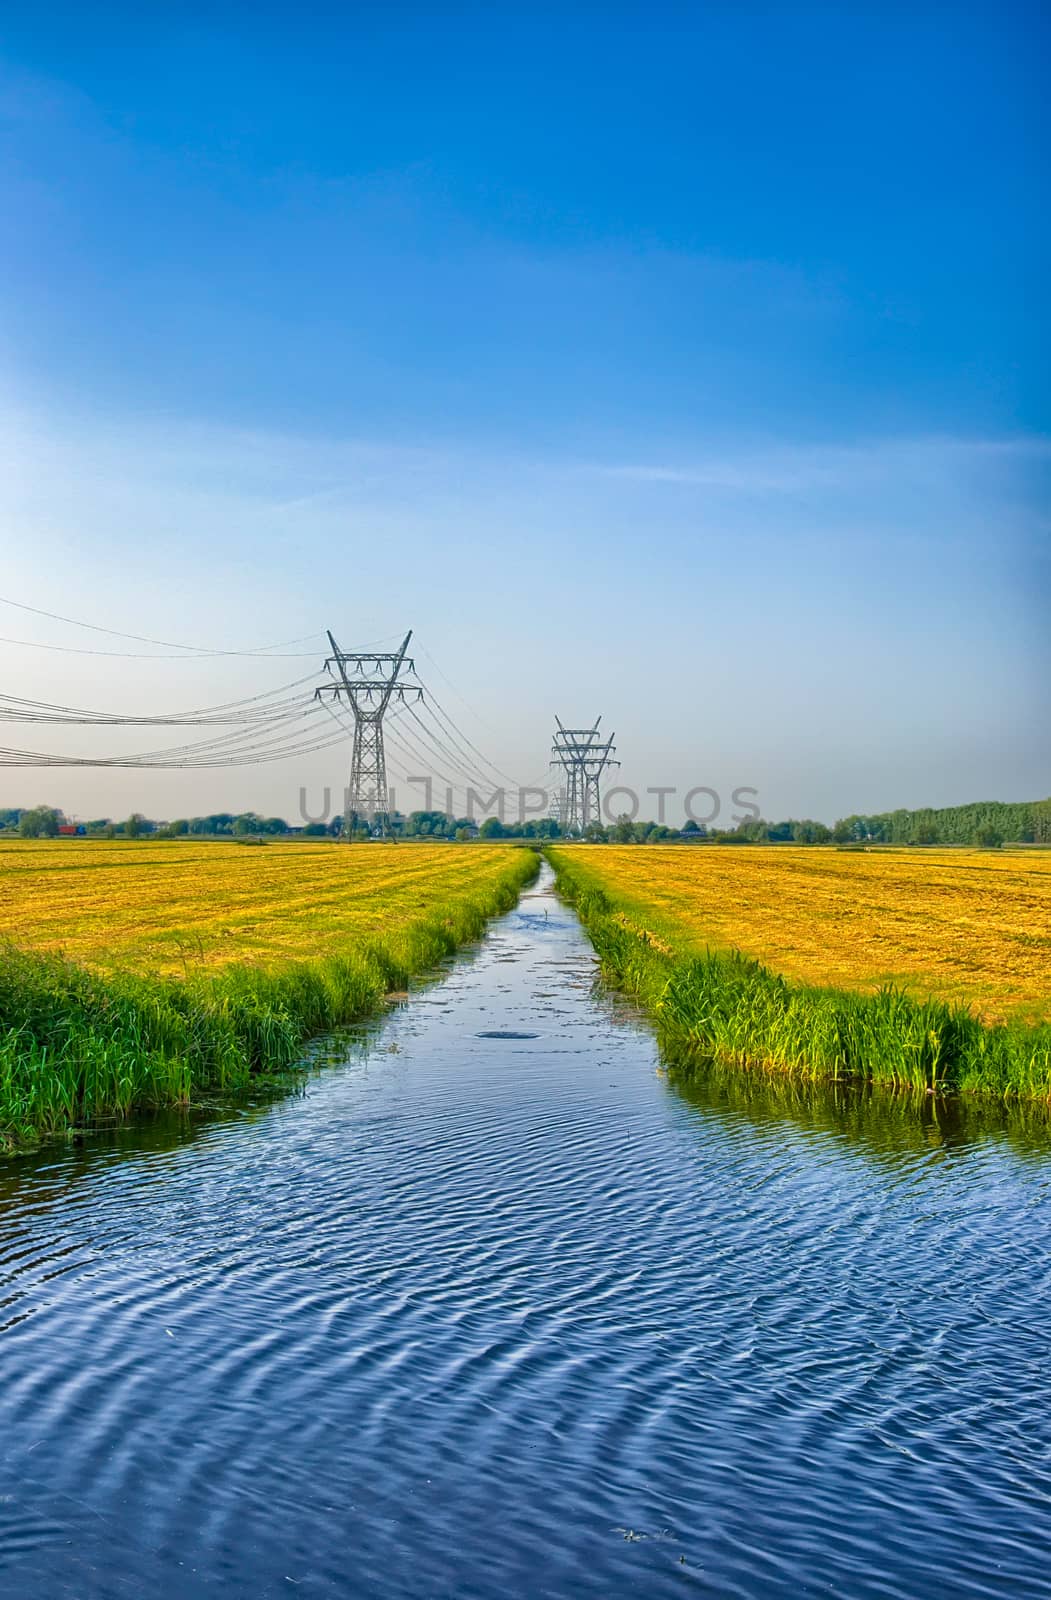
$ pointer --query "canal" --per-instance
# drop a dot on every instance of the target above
(490, 1307)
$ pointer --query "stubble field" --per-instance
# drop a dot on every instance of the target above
(171, 907)
(970, 926)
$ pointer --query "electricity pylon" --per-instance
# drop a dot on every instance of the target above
(583, 758)
(368, 682)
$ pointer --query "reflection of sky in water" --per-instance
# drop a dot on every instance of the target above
(494, 1308)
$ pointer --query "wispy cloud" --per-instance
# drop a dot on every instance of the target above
(163, 473)
(789, 468)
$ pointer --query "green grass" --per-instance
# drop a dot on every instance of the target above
(728, 1008)
(78, 1047)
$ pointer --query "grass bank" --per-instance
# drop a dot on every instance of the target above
(727, 1007)
(79, 1045)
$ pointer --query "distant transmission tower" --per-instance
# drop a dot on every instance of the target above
(583, 758)
(368, 682)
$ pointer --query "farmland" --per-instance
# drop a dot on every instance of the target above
(971, 926)
(176, 908)
(924, 968)
(144, 974)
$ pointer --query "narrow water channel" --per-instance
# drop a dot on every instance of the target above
(492, 1309)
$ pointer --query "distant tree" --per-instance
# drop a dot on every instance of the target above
(925, 833)
(42, 822)
(754, 830)
(810, 832)
(217, 822)
(431, 824)
(691, 828)
(314, 830)
(989, 838)
(492, 828)
(621, 831)
(179, 827)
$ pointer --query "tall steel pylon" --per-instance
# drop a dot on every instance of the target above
(583, 758)
(368, 682)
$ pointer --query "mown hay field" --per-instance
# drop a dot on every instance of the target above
(956, 925)
(138, 975)
(174, 907)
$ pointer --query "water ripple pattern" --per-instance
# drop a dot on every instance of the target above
(492, 1309)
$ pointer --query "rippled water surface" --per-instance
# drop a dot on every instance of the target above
(493, 1309)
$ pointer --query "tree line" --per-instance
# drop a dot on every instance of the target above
(988, 823)
(982, 822)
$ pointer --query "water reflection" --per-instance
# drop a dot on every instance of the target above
(881, 1121)
(498, 1305)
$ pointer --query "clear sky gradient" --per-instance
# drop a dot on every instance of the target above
(683, 364)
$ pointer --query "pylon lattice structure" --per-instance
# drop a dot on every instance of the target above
(583, 757)
(368, 682)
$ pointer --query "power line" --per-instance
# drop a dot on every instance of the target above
(407, 746)
(461, 740)
(437, 743)
(141, 638)
(445, 678)
(148, 655)
(276, 737)
(14, 708)
(281, 752)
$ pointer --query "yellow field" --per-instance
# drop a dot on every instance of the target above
(176, 906)
(956, 924)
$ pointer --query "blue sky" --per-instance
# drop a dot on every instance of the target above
(683, 364)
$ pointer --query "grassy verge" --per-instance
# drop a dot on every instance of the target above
(729, 1008)
(78, 1046)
